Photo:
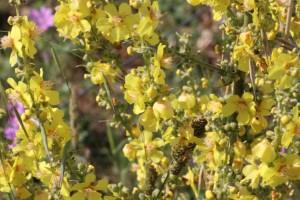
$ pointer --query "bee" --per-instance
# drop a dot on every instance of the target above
(261, 62)
(262, 65)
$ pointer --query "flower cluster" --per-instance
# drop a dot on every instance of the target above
(239, 134)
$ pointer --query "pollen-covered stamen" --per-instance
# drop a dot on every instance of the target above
(73, 18)
(35, 32)
(47, 85)
(242, 105)
(30, 146)
(116, 20)
(14, 97)
(20, 167)
(53, 134)
(149, 147)
(88, 189)
(7, 42)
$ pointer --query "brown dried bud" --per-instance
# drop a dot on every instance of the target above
(151, 177)
(198, 124)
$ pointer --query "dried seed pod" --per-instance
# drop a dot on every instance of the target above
(181, 154)
(198, 124)
(151, 177)
(176, 167)
(178, 151)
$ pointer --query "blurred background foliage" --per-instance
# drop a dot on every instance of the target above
(97, 142)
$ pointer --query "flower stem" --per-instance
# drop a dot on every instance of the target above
(162, 186)
(204, 64)
(288, 19)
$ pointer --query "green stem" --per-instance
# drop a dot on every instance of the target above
(20, 121)
(278, 131)
(288, 19)
(200, 180)
(110, 139)
(18, 11)
(204, 64)
(162, 186)
(52, 43)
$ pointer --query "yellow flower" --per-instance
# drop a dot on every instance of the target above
(265, 151)
(281, 69)
(266, 86)
(259, 121)
(134, 92)
(191, 180)
(292, 129)
(219, 6)
(69, 19)
(151, 147)
(159, 76)
(252, 173)
(185, 135)
(148, 120)
(5, 169)
(21, 166)
(89, 188)
(283, 169)
(214, 105)
(160, 60)
(31, 145)
(43, 89)
(22, 193)
(210, 152)
(29, 33)
(150, 16)
(130, 151)
(12, 40)
(244, 106)
(99, 69)
(186, 101)
(56, 128)
(194, 2)
(246, 38)
(240, 149)
(117, 25)
(241, 54)
(18, 92)
(163, 109)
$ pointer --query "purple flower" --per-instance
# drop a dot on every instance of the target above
(43, 17)
(12, 124)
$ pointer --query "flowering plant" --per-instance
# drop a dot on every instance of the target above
(235, 136)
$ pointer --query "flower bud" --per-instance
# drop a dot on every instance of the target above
(209, 194)
(240, 148)
(271, 35)
(43, 116)
(285, 119)
(151, 92)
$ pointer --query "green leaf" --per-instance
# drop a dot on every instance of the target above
(45, 142)
(107, 89)
(63, 162)
(20, 121)
(55, 57)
